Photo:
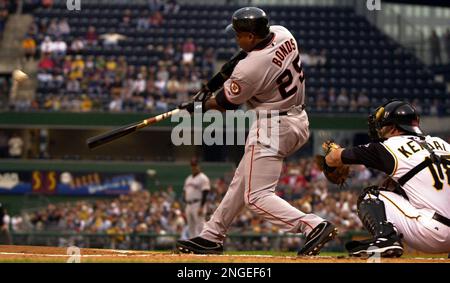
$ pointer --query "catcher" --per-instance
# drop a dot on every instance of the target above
(414, 204)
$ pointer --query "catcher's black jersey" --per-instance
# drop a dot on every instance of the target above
(396, 156)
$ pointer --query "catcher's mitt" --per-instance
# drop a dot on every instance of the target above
(336, 175)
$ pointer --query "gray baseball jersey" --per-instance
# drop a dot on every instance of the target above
(194, 185)
(269, 78)
(193, 189)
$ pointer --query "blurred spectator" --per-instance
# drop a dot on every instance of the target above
(5, 237)
(59, 47)
(435, 45)
(321, 101)
(173, 86)
(143, 21)
(53, 29)
(46, 63)
(161, 104)
(77, 45)
(331, 96)
(73, 86)
(363, 100)
(47, 45)
(434, 108)
(171, 7)
(353, 102)
(305, 58)
(91, 36)
(77, 68)
(63, 27)
(156, 19)
(44, 77)
(447, 44)
(139, 85)
(86, 103)
(162, 76)
(322, 58)
(116, 104)
(15, 144)
(112, 39)
(126, 19)
(188, 51)
(29, 46)
(342, 99)
(47, 3)
(313, 58)
(154, 5)
(209, 61)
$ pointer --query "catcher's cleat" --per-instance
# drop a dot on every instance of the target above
(317, 238)
(384, 247)
(199, 245)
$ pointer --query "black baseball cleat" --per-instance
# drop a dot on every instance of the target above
(199, 245)
(317, 238)
(385, 247)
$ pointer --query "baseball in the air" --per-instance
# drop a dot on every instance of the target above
(19, 76)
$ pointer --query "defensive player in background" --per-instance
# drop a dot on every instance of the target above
(195, 190)
(269, 78)
(416, 204)
(5, 237)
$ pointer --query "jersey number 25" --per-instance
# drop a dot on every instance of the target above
(286, 78)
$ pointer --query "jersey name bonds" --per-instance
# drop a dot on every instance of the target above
(285, 49)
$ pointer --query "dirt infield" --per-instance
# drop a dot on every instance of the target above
(57, 254)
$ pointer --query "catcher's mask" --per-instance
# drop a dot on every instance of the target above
(395, 112)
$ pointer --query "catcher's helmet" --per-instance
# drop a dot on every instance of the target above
(398, 113)
(249, 19)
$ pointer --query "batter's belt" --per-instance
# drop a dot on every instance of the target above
(294, 110)
(442, 219)
(192, 201)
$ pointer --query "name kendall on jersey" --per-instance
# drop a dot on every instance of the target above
(412, 147)
(283, 51)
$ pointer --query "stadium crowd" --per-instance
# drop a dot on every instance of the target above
(161, 212)
(69, 80)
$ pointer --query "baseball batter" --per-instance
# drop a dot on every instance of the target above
(269, 78)
(196, 188)
(418, 208)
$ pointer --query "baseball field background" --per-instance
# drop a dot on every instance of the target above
(94, 65)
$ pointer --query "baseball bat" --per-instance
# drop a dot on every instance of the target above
(114, 134)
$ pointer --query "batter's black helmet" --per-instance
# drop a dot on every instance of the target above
(249, 19)
(399, 113)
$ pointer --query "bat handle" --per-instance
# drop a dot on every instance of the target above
(158, 118)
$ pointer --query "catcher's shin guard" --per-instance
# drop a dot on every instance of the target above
(371, 211)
